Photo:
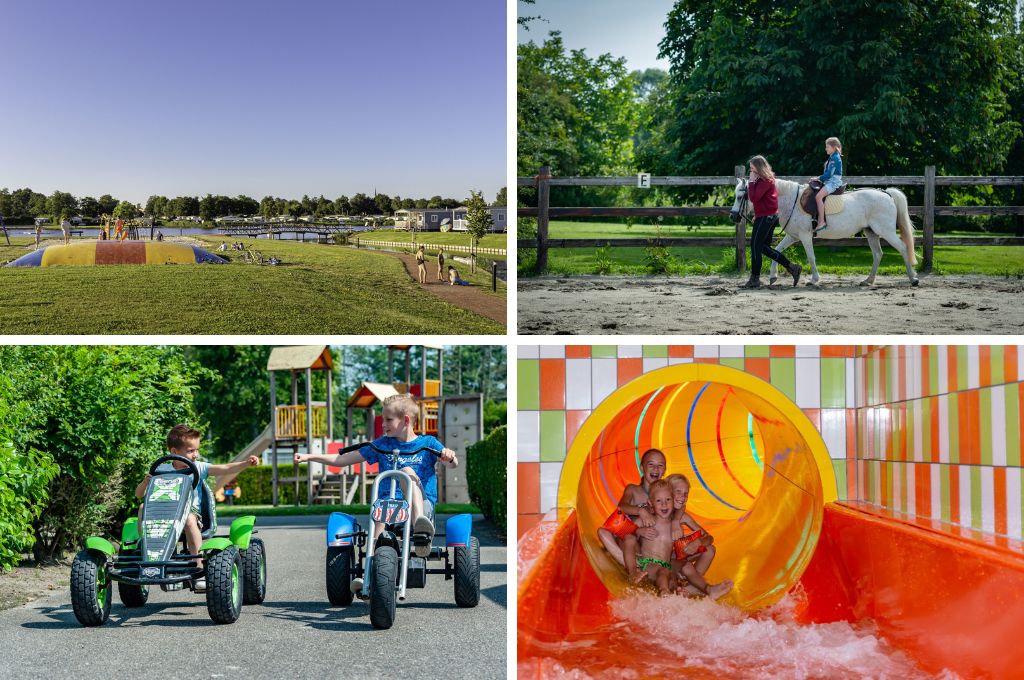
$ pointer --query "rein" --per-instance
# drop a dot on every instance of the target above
(743, 207)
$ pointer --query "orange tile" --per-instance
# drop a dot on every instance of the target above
(573, 422)
(706, 360)
(999, 485)
(528, 485)
(782, 351)
(814, 415)
(926, 375)
(762, 368)
(552, 384)
(851, 479)
(629, 369)
(951, 368)
(836, 351)
(577, 351)
(885, 473)
(525, 522)
(954, 494)
(680, 351)
(1010, 368)
(901, 393)
(985, 365)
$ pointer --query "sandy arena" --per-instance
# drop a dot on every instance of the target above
(715, 305)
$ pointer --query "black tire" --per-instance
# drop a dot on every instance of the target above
(382, 589)
(467, 574)
(340, 567)
(132, 596)
(90, 589)
(224, 585)
(254, 571)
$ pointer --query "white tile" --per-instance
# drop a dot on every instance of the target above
(936, 492)
(833, 432)
(988, 500)
(604, 379)
(730, 351)
(999, 425)
(808, 383)
(943, 429)
(630, 351)
(973, 367)
(675, 361)
(913, 371)
(549, 474)
(965, 496)
(808, 351)
(1013, 525)
(552, 351)
(528, 436)
(529, 352)
(942, 354)
(654, 363)
(705, 351)
(852, 378)
(577, 384)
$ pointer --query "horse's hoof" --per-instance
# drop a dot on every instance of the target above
(914, 283)
(772, 279)
(866, 282)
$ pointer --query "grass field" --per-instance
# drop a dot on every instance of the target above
(989, 260)
(318, 289)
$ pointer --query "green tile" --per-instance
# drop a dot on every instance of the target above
(783, 373)
(655, 352)
(954, 427)
(1012, 426)
(975, 472)
(529, 384)
(985, 424)
(732, 362)
(997, 364)
(604, 351)
(933, 369)
(839, 468)
(757, 352)
(869, 484)
(890, 384)
(552, 436)
(833, 383)
(961, 367)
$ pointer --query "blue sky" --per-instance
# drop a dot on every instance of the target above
(254, 97)
(618, 27)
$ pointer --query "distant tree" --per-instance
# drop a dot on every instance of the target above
(107, 204)
(478, 218)
(435, 202)
(323, 206)
(408, 203)
(89, 207)
(396, 203)
(207, 207)
(383, 202)
(61, 205)
(125, 210)
(245, 205)
(501, 200)
(341, 205)
(422, 203)
(268, 207)
(362, 204)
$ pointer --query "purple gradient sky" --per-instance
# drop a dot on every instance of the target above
(254, 97)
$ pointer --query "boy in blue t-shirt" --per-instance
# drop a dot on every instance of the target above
(400, 414)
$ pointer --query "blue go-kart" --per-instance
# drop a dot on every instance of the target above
(386, 566)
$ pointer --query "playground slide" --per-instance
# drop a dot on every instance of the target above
(254, 448)
(823, 589)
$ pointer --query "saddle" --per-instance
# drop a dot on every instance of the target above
(810, 206)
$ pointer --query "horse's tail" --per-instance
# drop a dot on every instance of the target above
(903, 221)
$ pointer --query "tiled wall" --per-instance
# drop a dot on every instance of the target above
(931, 431)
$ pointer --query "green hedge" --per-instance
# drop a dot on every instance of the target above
(256, 484)
(487, 473)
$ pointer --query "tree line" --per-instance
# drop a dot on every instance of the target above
(903, 84)
(22, 205)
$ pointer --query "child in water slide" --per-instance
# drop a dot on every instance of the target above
(693, 551)
(633, 512)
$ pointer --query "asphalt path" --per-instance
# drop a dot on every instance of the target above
(294, 633)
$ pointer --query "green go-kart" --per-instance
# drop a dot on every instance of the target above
(235, 566)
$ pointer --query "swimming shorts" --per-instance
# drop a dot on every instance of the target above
(642, 562)
(619, 524)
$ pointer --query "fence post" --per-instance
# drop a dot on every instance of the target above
(741, 230)
(543, 199)
(929, 217)
(494, 275)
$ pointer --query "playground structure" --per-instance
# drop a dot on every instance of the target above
(882, 545)
(89, 253)
(306, 425)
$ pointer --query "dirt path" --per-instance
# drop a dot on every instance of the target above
(467, 297)
(714, 305)
(25, 583)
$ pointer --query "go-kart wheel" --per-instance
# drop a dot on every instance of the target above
(340, 565)
(224, 585)
(382, 589)
(467, 574)
(254, 569)
(90, 589)
(132, 596)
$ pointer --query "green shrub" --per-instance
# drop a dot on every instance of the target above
(256, 484)
(658, 260)
(487, 473)
(603, 260)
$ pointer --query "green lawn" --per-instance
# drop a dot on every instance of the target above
(460, 238)
(989, 260)
(320, 289)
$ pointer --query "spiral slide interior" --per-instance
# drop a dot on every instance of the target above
(763, 484)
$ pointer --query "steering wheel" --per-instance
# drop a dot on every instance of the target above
(192, 469)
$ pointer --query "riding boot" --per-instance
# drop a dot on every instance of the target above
(795, 269)
(752, 282)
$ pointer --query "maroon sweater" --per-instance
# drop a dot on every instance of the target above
(763, 195)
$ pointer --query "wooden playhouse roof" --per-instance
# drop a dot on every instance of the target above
(299, 358)
(369, 394)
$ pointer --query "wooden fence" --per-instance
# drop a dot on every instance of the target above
(544, 211)
(411, 245)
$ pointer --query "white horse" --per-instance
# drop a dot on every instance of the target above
(877, 213)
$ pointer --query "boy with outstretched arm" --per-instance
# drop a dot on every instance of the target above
(400, 414)
(183, 441)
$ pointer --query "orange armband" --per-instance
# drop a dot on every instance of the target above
(680, 544)
(619, 524)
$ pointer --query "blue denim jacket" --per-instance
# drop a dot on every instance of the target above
(833, 166)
